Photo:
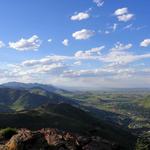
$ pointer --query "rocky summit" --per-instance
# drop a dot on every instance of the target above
(53, 139)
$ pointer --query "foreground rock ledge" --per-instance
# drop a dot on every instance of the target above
(53, 139)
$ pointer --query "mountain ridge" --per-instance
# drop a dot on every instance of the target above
(24, 99)
(20, 85)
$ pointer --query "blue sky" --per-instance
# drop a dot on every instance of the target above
(92, 43)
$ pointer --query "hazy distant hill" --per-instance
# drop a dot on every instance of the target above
(28, 99)
(18, 85)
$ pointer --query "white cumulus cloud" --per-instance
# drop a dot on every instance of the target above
(32, 43)
(49, 40)
(65, 42)
(121, 11)
(125, 17)
(119, 47)
(145, 43)
(80, 16)
(123, 14)
(2, 44)
(83, 34)
(89, 53)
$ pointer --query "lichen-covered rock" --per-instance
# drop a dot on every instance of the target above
(53, 139)
(27, 140)
(3, 147)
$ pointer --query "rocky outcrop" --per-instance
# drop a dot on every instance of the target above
(53, 139)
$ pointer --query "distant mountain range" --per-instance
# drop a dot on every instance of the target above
(36, 106)
(18, 85)
(20, 99)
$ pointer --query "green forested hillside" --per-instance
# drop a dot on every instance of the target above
(66, 117)
(112, 115)
(27, 99)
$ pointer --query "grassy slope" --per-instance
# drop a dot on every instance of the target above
(145, 102)
(29, 99)
(65, 117)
